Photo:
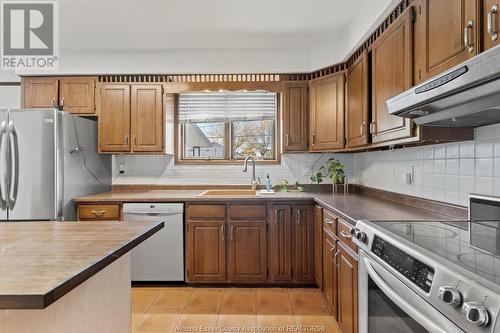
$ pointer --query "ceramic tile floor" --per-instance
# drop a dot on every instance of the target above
(186, 309)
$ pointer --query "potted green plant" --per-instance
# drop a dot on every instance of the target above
(335, 171)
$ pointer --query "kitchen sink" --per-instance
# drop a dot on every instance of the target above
(229, 193)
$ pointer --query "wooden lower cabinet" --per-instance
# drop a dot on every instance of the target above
(318, 248)
(330, 272)
(281, 243)
(347, 300)
(247, 251)
(206, 251)
(250, 243)
(304, 243)
(340, 280)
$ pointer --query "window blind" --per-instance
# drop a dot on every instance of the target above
(226, 106)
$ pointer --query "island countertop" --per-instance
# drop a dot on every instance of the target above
(43, 261)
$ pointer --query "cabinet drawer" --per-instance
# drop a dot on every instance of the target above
(199, 211)
(99, 212)
(330, 222)
(344, 234)
(247, 211)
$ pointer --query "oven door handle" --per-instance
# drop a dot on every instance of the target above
(401, 302)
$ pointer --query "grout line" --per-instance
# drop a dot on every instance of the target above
(291, 306)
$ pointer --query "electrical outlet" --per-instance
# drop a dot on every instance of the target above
(121, 168)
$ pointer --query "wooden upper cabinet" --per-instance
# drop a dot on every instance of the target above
(347, 275)
(392, 73)
(247, 251)
(491, 23)
(40, 92)
(304, 243)
(357, 103)
(114, 118)
(147, 118)
(327, 113)
(295, 116)
(77, 95)
(206, 251)
(281, 243)
(447, 35)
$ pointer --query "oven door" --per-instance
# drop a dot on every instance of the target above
(386, 304)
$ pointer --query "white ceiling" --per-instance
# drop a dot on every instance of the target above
(187, 24)
(209, 36)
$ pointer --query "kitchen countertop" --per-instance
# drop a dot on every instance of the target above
(351, 207)
(43, 261)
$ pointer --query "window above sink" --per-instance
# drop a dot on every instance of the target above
(227, 126)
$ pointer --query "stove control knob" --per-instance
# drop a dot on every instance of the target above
(358, 234)
(450, 296)
(476, 313)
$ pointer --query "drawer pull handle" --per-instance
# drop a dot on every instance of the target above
(98, 212)
(328, 221)
(345, 234)
(467, 36)
(492, 31)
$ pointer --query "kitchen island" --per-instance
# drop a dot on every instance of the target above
(68, 276)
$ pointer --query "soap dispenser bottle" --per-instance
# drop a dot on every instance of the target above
(268, 183)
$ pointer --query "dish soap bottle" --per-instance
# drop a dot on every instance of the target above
(268, 183)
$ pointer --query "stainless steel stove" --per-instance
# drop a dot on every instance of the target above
(423, 276)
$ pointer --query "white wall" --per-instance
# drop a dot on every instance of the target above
(445, 172)
(180, 61)
(161, 170)
(10, 97)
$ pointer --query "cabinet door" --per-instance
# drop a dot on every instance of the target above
(206, 251)
(330, 272)
(281, 243)
(39, 92)
(392, 66)
(295, 116)
(247, 251)
(357, 102)
(327, 113)
(491, 23)
(347, 291)
(318, 246)
(444, 29)
(147, 118)
(78, 95)
(114, 118)
(304, 243)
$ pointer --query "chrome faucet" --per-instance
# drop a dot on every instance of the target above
(245, 169)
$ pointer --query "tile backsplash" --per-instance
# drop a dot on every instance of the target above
(444, 172)
(163, 170)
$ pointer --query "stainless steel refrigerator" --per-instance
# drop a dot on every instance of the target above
(48, 157)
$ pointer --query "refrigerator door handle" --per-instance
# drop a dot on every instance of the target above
(13, 198)
(3, 178)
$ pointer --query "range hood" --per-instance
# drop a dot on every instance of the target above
(467, 95)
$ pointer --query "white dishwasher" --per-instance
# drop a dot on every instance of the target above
(160, 258)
